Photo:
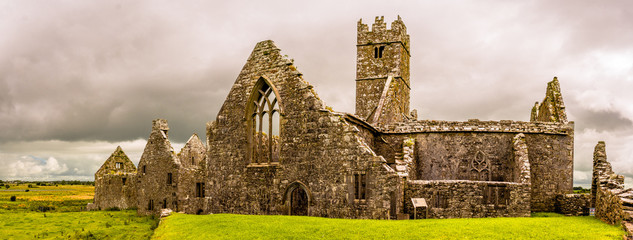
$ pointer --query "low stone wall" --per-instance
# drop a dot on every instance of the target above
(608, 207)
(573, 204)
(469, 199)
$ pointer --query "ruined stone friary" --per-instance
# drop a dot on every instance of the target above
(275, 148)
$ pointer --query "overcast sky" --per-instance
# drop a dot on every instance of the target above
(78, 78)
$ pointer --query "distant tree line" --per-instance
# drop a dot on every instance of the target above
(46, 183)
(579, 189)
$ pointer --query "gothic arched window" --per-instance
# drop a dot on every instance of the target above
(263, 124)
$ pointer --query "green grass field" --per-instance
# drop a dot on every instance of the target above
(63, 219)
(75, 225)
(54, 212)
(62, 198)
(229, 226)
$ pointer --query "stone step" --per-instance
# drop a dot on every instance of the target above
(627, 208)
(627, 202)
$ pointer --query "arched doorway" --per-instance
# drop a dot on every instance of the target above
(299, 202)
(298, 199)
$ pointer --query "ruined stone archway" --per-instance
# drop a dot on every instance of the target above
(297, 199)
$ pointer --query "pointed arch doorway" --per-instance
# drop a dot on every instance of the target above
(297, 198)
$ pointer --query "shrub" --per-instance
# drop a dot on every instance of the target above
(6, 186)
(27, 190)
(42, 208)
(12, 199)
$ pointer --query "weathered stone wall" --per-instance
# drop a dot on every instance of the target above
(382, 72)
(552, 168)
(446, 150)
(608, 206)
(573, 204)
(157, 162)
(115, 191)
(552, 109)
(193, 166)
(470, 199)
(605, 187)
(522, 170)
(320, 151)
(115, 182)
(603, 174)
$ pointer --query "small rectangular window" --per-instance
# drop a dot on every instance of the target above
(165, 203)
(440, 201)
(123, 180)
(118, 165)
(143, 169)
(169, 179)
(359, 186)
(150, 205)
(200, 190)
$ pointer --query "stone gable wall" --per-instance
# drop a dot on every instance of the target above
(157, 161)
(319, 149)
(111, 190)
(193, 168)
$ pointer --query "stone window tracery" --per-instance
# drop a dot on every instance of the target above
(480, 167)
(263, 122)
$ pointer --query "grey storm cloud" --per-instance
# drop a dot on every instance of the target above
(89, 73)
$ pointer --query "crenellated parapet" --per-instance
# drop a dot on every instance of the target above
(379, 33)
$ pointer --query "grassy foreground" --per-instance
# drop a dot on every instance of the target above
(54, 212)
(229, 226)
(75, 225)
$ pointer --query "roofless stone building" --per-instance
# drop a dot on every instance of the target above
(275, 148)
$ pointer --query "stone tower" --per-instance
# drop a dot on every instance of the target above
(382, 72)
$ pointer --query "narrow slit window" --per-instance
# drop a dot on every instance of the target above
(169, 180)
(200, 190)
(380, 50)
(359, 186)
(375, 52)
(123, 180)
